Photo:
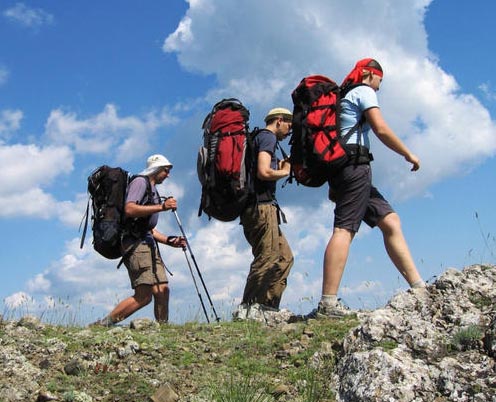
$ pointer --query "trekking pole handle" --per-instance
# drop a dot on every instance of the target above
(163, 201)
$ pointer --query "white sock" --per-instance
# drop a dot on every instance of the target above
(329, 300)
(418, 284)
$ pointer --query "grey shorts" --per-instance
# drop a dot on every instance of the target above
(356, 199)
(143, 269)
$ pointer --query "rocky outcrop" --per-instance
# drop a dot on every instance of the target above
(432, 344)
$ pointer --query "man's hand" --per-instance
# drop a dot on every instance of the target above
(285, 165)
(169, 203)
(176, 241)
(414, 160)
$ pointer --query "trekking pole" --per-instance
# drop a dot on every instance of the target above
(196, 265)
(196, 286)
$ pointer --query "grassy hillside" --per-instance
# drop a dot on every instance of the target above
(232, 361)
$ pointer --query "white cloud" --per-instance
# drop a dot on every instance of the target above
(26, 166)
(260, 63)
(38, 283)
(10, 121)
(27, 16)
(488, 91)
(26, 170)
(29, 170)
(127, 137)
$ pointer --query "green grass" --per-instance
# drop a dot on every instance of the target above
(467, 337)
(228, 361)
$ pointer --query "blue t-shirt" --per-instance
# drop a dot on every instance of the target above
(353, 105)
(265, 141)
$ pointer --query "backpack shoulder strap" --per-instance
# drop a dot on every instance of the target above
(342, 93)
(347, 88)
(85, 219)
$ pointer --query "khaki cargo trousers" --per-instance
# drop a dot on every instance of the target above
(272, 256)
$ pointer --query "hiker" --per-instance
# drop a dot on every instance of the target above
(141, 253)
(351, 188)
(272, 256)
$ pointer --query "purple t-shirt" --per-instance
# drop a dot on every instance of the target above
(136, 192)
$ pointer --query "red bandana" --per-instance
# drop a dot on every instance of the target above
(356, 75)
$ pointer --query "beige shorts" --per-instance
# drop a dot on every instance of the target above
(143, 269)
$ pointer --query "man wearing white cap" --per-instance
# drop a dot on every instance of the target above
(272, 256)
(141, 254)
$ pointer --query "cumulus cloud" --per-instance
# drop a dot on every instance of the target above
(488, 91)
(28, 174)
(27, 170)
(10, 121)
(128, 137)
(25, 167)
(262, 62)
(27, 16)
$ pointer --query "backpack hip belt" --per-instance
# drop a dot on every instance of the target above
(358, 155)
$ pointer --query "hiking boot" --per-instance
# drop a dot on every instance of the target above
(240, 313)
(253, 312)
(268, 309)
(337, 310)
(104, 322)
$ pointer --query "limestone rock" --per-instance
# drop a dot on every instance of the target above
(410, 349)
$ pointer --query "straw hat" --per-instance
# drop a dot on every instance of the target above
(278, 111)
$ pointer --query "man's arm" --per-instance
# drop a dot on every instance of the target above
(265, 172)
(388, 137)
(173, 241)
(134, 210)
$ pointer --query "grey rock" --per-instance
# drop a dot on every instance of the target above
(410, 349)
(143, 323)
(128, 348)
(73, 367)
(13, 364)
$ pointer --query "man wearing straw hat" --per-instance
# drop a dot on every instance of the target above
(140, 244)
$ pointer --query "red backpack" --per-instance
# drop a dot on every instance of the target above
(317, 147)
(223, 161)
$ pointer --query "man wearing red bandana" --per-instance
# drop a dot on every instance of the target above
(351, 187)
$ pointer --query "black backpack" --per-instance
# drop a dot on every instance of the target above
(224, 161)
(107, 187)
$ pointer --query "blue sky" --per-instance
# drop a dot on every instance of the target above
(115, 82)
